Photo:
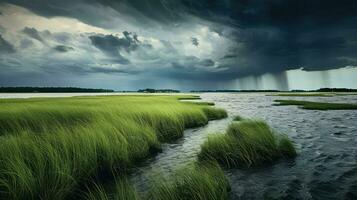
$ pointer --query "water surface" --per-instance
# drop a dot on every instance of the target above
(326, 165)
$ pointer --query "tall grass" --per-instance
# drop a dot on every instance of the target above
(123, 191)
(246, 144)
(197, 182)
(50, 146)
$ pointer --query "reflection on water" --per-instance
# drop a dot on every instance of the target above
(326, 166)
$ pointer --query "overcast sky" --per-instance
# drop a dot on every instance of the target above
(180, 44)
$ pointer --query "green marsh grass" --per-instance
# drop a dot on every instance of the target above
(195, 182)
(123, 191)
(51, 146)
(309, 105)
(238, 118)
(246, 144)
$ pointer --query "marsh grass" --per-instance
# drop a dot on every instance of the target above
(309, 105)
(238, 118)
(246, 144)
(205, 181)
(196, 181)
(50, 146)
(123, 190)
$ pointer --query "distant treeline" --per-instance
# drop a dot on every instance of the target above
(235, 90)
(49, 90)
(318, 90)
(336, 90)
(328, 90)
(150, 90)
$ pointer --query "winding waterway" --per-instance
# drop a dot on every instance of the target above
(326, 166)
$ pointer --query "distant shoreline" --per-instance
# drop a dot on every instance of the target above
(149, 90)
(52, 90)
(289, 91)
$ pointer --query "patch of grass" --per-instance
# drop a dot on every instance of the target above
(123, 191)
(238, 118)
(196, 182)
(50, 146)
(246, 144)
(215, 113)
(202, 103)
(189, 97)
(317, 105)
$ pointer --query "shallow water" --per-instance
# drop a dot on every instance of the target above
(326, 166)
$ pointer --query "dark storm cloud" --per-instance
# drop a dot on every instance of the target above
(194, 41)
(229, 56)
(267, 36)
(192, 63)
(233, 12)
(63, 48)
(113, 45)
(5, 46)
(33, 33)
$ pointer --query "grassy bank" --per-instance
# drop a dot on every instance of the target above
(245, 144)
(317, 105)
(49, 146)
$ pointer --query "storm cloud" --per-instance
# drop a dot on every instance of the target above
(32, 33)
(113, 45)
(5, 46)
(63, 48)
(193, 39)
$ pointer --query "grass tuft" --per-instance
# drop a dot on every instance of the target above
(246, 144)
(196, 182)
(214, 113)
(309, 105)
(238, 118)
(123, 191)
